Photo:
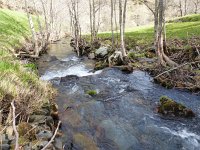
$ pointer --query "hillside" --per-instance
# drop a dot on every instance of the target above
(19, 80)
(180, 28)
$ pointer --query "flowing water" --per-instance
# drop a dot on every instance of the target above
(122, 116)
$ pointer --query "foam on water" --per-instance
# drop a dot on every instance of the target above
(191, 138)
(78, 70)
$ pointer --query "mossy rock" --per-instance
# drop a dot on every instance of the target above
(100, 65)
(149, 54)
(92, 92)
(135, 55)
(26, 131)
(131, 55)
(171, 108)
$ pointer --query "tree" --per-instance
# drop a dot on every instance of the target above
(112, 26)
(160, 6)
(122, 22)
(196, 5)
(94, 7)
(74, 13)
(34, 36)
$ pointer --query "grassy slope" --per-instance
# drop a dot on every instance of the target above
(180, 28)
(15, 81)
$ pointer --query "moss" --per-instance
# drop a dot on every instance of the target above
(131, 55)
(100, 65)
(92, 92)
(170, 107)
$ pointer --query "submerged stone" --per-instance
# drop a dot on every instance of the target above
(169, 107)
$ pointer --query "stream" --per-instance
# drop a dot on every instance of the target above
(122, 116)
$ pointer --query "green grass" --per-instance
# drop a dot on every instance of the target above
(17, 80)
(14, 28)
(189, 27)
(188, 18)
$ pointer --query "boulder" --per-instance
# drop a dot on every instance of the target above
(125, 68)
(69, 78)
(44, 112)
(44, 135)
(101, 52)
(91, 55)
(40, 144)
(58, 144)
(169, 107)
(41, 119)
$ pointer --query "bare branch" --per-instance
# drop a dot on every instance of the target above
(53, 137)
(15, 128)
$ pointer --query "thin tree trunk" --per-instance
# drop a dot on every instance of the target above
(32, 28)
(47, 34)
(180, 8)
(156, 23)
(116, 25)
(91, 25)
(122, 24)
(51, 15)
(94, 19)
(43, 42)
(163, 58)
(112, 29)
(185, 7)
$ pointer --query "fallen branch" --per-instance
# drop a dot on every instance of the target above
(14, 127)
(175, 68)
(53, 137)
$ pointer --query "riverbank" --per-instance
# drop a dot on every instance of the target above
(182, 47)
(33, 99)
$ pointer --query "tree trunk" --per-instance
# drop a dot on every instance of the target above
(32, 28)
(163, 58)
(94, 19)
(112, 29)
(122, 13)
(47, 33)
(180, 8)
(91, 25)
(185, 7)
(116, 25)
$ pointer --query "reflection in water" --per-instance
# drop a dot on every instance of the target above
(122, 115)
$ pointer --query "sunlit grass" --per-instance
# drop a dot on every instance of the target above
(17, 80)
(177, 30)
